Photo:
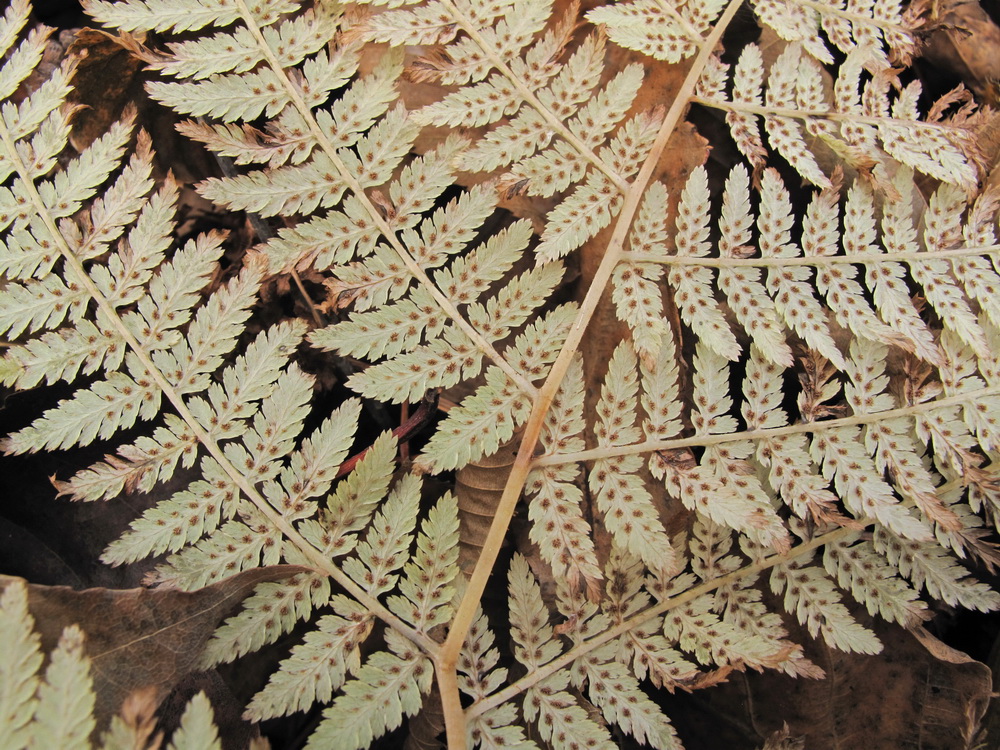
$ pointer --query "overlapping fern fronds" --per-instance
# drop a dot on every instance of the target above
(831, 369)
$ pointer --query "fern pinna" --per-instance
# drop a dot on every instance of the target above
(670, 513)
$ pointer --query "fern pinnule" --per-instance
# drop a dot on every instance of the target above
(816, 603)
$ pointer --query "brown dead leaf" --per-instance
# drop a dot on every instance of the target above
(107, 79)
(140, 638)
(918, 692)
(967, 43)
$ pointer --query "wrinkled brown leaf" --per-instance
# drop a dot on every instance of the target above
(918, 692)
(967, 43)
(106, 81)
(140, 638)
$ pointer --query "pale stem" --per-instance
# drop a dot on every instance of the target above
(812, 260)
(466, 612)
(650, 446)
(810, 114)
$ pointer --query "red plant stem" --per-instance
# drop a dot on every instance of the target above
(410, 426)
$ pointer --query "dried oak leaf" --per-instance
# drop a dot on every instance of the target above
(967, 42)
(918, 692)
(140, 638)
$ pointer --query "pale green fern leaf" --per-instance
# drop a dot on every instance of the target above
(182, 519)
(489, 417)
(559, 718)
(197, 730)
(843, 293)
(431, 292)
(859, 484)
(387, 688)
(534, 642)
(479, 676)
(189, 514)
(21, 660)
(870, 579)
(13, 20)
(644, 647)
(25, 58)
(591, 205)
(385, 332)
(384, 548)
(895, 449)
(793, 297)
(609, 684)
(319, 665)
(748, 88)
(559, 528)
(674, 37)
(795, 23)
(313, 467)
(239, 52)
(661, 393)
(861, 131)
(57, 710)
(190, 15)
(693, 283)
(627, 505)
(232, 548)
(350, 506)
(425, 589)
(748, 298)
(785, 133)
(941, 232)
(789, 467)
(65, 713)
(929, 566)
(636, 293)
(737, 498)
(441, 364)
(697, 629)
(479, 672)
(271, 611)
(106, 407)
(139, 465)
(815, 602)
(297, 189)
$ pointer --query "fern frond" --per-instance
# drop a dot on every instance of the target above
(20, 664)
(426, 593)
(811, 596)
(627, 505)
(890, 423)
(862, 131)
(197, 729)
(271, 611)
(319, 665)
(860, 569)
(387, 687)
(389, 537)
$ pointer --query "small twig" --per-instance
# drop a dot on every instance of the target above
(410, 426)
